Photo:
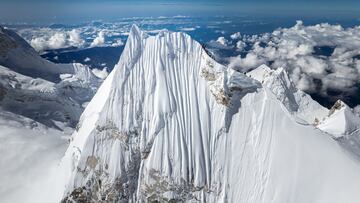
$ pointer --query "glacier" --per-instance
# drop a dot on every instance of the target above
(171, 124)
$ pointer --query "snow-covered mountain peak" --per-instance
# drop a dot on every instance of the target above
(296, 101)
(340, 121)
(171, 124)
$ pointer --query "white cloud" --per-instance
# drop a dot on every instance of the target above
(222, 41)
(220, 31)
(99, 40)
(187, 29)
(240, 45)
(117, 43)
(57, 39)
(180, 16)
(75, 38)
(251, 60)
(312, 66)
(236, 35)
(296, 48)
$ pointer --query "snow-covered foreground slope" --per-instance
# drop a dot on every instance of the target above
(29, 152)
(169, 123)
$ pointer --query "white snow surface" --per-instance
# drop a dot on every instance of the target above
(340, 121)
(296, 101)
(169, 123)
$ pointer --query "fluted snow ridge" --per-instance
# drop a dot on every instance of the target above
(169, 123)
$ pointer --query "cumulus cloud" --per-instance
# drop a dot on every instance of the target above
(240, 45)
(321, 59)
(222, 41)
(235, 36)
(117, 43)
(99, 40)
(57, 39)
(75, 38)
(251, 60)
(87, 59)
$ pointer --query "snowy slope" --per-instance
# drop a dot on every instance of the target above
(296, 101)
(169, 123)
(343, 124)
(53, 94)
(341, 120)
(53, 104)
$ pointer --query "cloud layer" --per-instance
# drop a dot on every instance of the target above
(57, 39)
(99, 40)
(322, 59)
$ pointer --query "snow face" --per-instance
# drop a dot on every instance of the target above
(343, 124)
(169, 123)
(341, 120)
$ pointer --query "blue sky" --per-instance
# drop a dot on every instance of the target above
(82, 10)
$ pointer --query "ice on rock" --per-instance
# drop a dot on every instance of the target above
(171, 124)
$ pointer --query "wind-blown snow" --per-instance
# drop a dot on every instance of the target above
(169, 123)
